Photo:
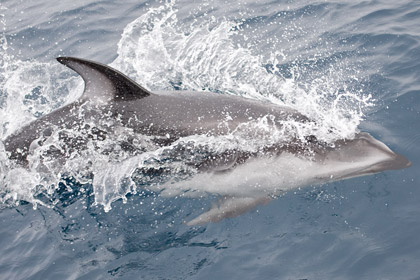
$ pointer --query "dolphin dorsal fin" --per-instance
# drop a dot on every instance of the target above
(103, 83)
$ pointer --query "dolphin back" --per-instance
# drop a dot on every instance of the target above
(103, 83)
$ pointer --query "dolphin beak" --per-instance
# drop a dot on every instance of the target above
(399, 162)
(395, 163)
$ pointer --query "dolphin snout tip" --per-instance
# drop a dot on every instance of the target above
(400, 162)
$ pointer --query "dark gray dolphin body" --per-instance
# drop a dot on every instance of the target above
(110, 95)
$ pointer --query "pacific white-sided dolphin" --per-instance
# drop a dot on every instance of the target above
(110, 95)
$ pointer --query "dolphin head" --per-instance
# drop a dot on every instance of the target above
(362, 155)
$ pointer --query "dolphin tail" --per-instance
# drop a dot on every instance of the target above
(229, 207)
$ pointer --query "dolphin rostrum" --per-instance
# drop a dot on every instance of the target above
(111, 96)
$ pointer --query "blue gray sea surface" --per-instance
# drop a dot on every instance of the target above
(352, 65)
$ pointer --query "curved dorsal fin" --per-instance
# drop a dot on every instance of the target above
(103, 83)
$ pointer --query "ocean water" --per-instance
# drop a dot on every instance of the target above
(350, 65)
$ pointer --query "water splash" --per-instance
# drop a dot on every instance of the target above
(160, 53)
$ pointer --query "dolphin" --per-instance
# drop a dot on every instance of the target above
(112, 98)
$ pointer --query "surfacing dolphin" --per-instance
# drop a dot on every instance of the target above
(110, 95)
